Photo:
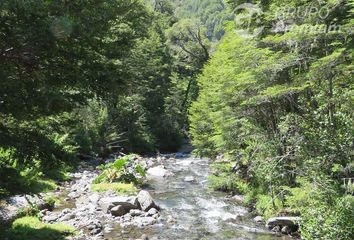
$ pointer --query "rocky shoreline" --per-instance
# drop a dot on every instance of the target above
(95, 214)
(99, 216)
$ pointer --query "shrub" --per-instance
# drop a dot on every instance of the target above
(225, 180)
(125, 170)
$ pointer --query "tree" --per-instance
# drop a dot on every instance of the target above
(277, 105)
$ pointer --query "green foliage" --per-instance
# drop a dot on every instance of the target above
(91, 83)
(16, 178)
(280, 105)
(325, 214)
(125, 170)
(51, 200)
(32, 228)
(213, 14)
(268, 206)
(31, 211)
(225, 180)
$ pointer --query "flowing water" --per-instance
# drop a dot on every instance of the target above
(199, 213)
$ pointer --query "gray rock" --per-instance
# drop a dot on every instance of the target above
(171, 219)
(158, 171)
(238, 199)
(94, 225)
(136, 212)
(11, 206)
(81, 200)
(145, 200)
(276, 229)
(144, 237)
(258, 219)
(127, 218)
(283, 221)
(94, 198)
(107, 206)
(7, 214)
(65, 211)
(77, 175)
(179, 155)
(152, 212)
(95, 231)
(50, 218)
(144, 221)
(73, 195)
(286, 230)
(127, 203)
(189, 179)
(67, 217)
(118, 211)
(44, 212)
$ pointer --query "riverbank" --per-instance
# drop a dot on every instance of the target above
(186, 207)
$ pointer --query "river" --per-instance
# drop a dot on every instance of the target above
(194, 211)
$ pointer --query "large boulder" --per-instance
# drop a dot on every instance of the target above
(10, 207)
(145, 201)
(158, 171)
(118, 211)
(291, 222)
(127, 203)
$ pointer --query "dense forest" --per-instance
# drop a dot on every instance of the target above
(266, 85)
(280, 107)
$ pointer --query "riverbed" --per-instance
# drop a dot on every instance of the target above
(191, 210)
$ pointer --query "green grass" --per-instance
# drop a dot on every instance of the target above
(31, 228)
(51, 199)
(123, 188)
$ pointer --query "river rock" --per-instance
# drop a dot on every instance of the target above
(136, 212)
(291, 222)
(81, 200)
(258, 219)
(145, 200)
(118, 211)
(106, 206)
(158, 171)
(286, 230)
(73, 195)
(67, 217)
(50, 218)
(127, 203)
(144, 221)
(152, 212)
(95, 231)
(171, 219)
(7, 214)
(179, 155)
(239, 199)
(189, 179)
(94, 198)
(11, 206)
(144, 237)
